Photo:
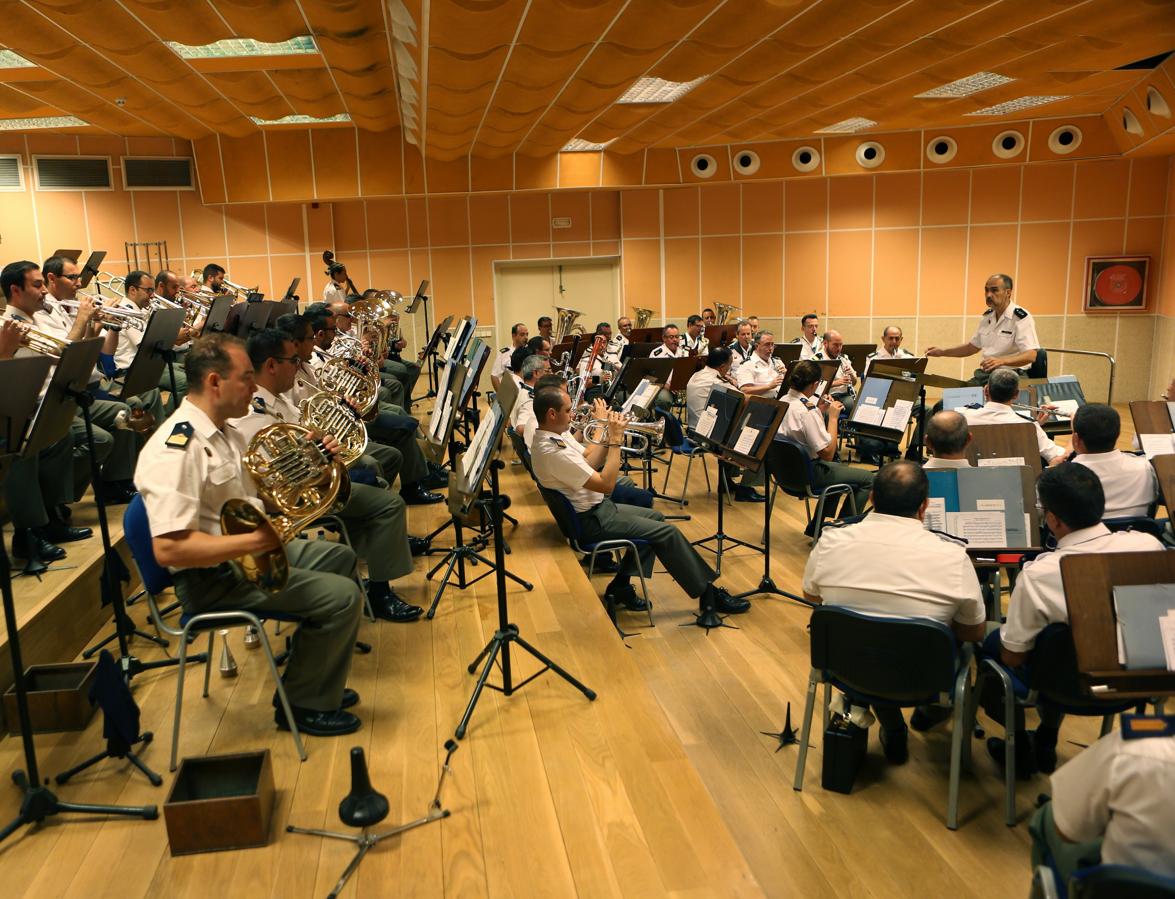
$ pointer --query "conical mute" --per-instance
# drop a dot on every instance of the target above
(252, 637)
(228, 665)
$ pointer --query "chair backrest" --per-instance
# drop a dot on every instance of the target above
(1040, 365)
(903, 659)
(562, 511)
(1053, 672)
(790, 467)
(137, 530)
(1135, 523)
(1113, 881)
(521, 451)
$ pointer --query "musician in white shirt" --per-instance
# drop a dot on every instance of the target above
(618, 341)
(695, 340)
(1129, 481)
(762, 374)
(741, 348)
(1000, 390)
(810, 340)
(519, 335)
(336, 289)
(947, 439)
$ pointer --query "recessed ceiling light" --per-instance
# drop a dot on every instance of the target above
(243, 46)
(57, 121)
(579, 145)
(848, 126)
(965, 87)
(11, 60)
(658, 90)
(301, 119)
(1018, 104)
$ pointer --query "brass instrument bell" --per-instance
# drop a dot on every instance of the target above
(643, 316)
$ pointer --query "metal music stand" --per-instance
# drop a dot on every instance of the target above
(290, 295)
(156, 349)
(421, 296)
(217, 316)
(90, 269)
(17, 411)
(38, 802)
(428, 356)
(252, 318)
(787, 353)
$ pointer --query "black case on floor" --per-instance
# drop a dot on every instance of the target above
(844, 751)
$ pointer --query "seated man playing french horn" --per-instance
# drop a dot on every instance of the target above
(190, 468)
(376, 519)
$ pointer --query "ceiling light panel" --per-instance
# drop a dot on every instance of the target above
(965, 87)
(301, 120)
(848, 126)
(579, 145)
(1020, 103)
(235, 47)
(11, 60)
(658, 90)
(58, 121)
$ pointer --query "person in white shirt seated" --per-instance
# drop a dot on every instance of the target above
(891, 345)
(708, 317)
(1000, 392)
(947, 439)
(762, 375)
(618, 341)
(519, 335)
(697, 395)
(586, 476)
(811, 343)
(670, 348)
(695, 340)
(1072, 503)
(1111, 805)
(1129, 481)
(844, 385)
(741, 347)
(337, 288)
(522, 417)
(804, 424)
(889, 564)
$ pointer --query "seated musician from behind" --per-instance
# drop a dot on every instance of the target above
(376, 519)
(1072, 502)
(187, 471)
(1129, 481)
(561, 463)
(1000, 391)
(947, 439)
(890, 564)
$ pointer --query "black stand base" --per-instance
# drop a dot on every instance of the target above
(720, 537)
(768, 586)
(145, 739)
(456, 557)
(126, 627)
(39, 803)
(787, 736)
(708, 618)
(500, 643)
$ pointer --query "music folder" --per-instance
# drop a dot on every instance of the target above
(787, 353)
(435, 339)
(985, 506)
(716, 420)
(720, 335)
(884, 408)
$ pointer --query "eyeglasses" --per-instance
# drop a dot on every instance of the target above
(76, 277)
(295, 359)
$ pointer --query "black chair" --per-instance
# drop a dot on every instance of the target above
(1053, 675)
(568, 522)
(792, 471)
(1113, 881)
(897, 662)
(1040, 365)
(1135, 523)
(675, 441)
(520, 450)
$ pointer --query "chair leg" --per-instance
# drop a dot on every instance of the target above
(1107, 724)
(668, 469)
(208, 665)
(959, 736)
(283, 699)
(1009, 748)
(179, 696)
(827, 704)
(806, 730)
(592, 563)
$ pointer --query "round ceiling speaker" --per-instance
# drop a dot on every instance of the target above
(1130, 121)
(941, 149)
(703, 165)
(806, 159)
(1008, 144)
(1065, 140)
(1156, 103)
(746, 162)
(870, 154)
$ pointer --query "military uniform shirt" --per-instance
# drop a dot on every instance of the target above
(804, 424)
(1012, 332)
(993, 413)
(758, 370)
(810, 349)
(699, 345)
(559, 464)
(501, 362)
(1129, 482)
(265, 410)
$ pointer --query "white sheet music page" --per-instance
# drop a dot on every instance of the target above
(706, 422)
(1157, 444)
(898, 415)
(936, 514)
(1001, 462)
(746, 440)
(983, 529)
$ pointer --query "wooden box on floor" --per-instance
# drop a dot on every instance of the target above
(59, 698)
(220, 802)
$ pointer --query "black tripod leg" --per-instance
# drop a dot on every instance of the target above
(447, 559)
(155, 779)
(66, 775)
(98, 646)
(527, 584)
(585, 690)
(490, 654)
(147, 812)
(432, 610)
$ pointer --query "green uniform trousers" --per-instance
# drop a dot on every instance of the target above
(39, 483)
(377, 522)
(825, 474)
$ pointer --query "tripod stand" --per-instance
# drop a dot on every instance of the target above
(719, 537)
(766, 583)
(507, 633)
(38, 802)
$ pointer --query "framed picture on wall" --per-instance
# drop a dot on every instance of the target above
(1116, 283)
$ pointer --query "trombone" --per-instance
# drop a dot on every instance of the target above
(241, 292)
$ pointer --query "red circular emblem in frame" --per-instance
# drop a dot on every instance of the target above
(1118, 285)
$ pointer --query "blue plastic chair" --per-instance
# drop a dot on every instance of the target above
(568, 522)
(896, 662)
(157, 579)
(791, 470)
(1135, 523)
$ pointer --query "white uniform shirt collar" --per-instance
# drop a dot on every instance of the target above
(201, 423)
(1083, 534)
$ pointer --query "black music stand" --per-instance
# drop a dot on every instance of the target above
(428, 356)
(253, 318)
(90, 269)
(290, 296)
(507, 633)
(19, 413)
(925, 379)
(217, 317)
(156, 349)
(38, 802)
(787, 353)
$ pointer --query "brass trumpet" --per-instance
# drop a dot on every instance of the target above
(42, 343)
(639, 435)
(135, 319)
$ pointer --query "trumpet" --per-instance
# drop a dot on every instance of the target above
(42, 343)
(639, 435)
(135, 319)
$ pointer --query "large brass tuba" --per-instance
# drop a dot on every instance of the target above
(564, 326)
(327, 413)
(723, 311)
(294, 475)
(643, 316)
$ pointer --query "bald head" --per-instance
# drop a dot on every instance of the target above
(947, 435)
(901, 489)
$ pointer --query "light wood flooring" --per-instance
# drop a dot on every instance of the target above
(663, 786)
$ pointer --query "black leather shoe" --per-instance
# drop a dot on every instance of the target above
(116, 494)
(350, 698)
(605, 564)
(435, 480)
(319, 724)
(748, 495)
(27, 542)
(392, 608)
(730, 605)
(1044, 750)
(60, 532)
(894, 744)
(926, 717)
(415, 495)
(1025, 763)
(626, 596)
(418, 545)
(64, 512)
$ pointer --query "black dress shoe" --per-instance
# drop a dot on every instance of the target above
(350, 698)
(28, 542)
(435, 480)
(392, 608)
(1025, 762)
(60, 532)
(626, 596)
(926, 717)
(64, 512)
(894, 744)
(418, 546)
(748, 495)
(415, 495)
(116, 493)
(319, 724)
(605, 564)
(729, 605)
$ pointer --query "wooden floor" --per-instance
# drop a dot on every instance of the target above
(663, 786)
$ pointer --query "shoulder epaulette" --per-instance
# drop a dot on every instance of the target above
(1140, 727)
(180, 436)
(558, 441)
(504, 349)
(259, 404)
(1020, 312)
(949, 538)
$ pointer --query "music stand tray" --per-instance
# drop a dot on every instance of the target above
(290, 295)
(90, 269)
(163, 327)
(1152, 417)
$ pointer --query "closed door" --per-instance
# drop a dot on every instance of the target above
(526, 290)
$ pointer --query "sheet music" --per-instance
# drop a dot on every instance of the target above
(746, 441)
(1065, 409)
(1167, 629)
(1157, 444)
(820, 388)
(706, 422)
(869, 415)
(1000, 462)
(438, 421)
(978, 528)
(478, 444)
(898, 415)
(936, 513)
(1171, 414)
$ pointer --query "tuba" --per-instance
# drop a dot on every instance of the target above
(564, 326)
(642, 316)
(293, 474)
(723, 312)
(327, 413)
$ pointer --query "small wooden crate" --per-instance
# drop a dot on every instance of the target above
(59, 698)
(220, 802)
